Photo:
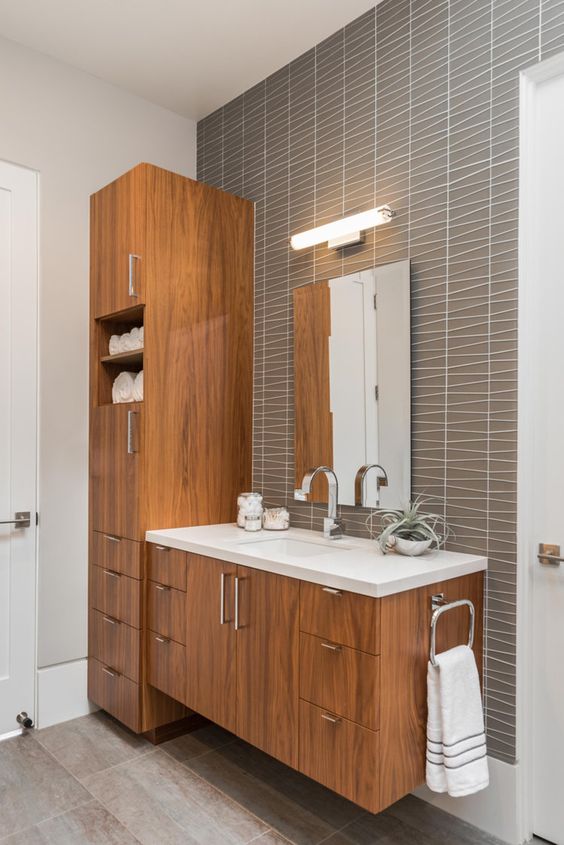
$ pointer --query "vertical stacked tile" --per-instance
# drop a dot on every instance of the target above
(233, 146)
(213, 149)
(552, 28)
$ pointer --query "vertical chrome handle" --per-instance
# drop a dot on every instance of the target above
(132, 259)
(236, 625)
(222, 599)
(131, 450)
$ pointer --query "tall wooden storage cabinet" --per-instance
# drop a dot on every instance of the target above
(176, 257)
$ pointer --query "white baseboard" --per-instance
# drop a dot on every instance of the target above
(495, 809)
(61, 693)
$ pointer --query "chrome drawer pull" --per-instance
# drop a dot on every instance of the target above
(328, 718)
(110, 673)
(111, 621)
(222, 599)
(332, 592)
(112, 538)
(111, 573)
(331, 646)
(236, 622)
(163, 588)
(162, 548)
(132, 286)
(163, 640)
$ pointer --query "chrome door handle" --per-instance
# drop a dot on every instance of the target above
(549, 554)
(236, 623)
(22, 519)
(132, 259)
(131, 450)
(222, 599)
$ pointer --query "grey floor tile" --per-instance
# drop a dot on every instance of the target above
(292, 804)
(89, 824)
(441, 826)
(196, 743)
(163, 803)
(271, 838)
(33, 786)
(382, 829)
(91, 744)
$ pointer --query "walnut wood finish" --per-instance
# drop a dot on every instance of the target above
(345, 681)
(313, 437)
(167, 566)
(166, 611)
(117, 553)
(115, 693)
(403, 672)
(268, 663)
(115, 475)
(341, 617)
(117, 228)
(166, 665)
(115, 644)
(211, 646)
(341, 755)
(116, 595)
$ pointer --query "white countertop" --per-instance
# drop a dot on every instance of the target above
(350, 563)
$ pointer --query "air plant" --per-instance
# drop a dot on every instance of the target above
(409, 523)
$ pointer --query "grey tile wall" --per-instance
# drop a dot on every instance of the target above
(414, 104)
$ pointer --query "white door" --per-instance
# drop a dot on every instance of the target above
(18, 440)
(542, 412)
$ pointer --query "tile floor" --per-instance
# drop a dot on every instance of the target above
(91, 781)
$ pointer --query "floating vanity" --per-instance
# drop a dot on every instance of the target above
(313, 650)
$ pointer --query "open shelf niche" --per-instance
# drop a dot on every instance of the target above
(110, 366)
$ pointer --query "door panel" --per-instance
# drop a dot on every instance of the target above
(18, 437)
(115, 469)
(211, 641)
(267, 663)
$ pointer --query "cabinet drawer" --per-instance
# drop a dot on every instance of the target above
(167, 566)
(342, 617)
(116, 595)
(343, 680)
(166, 611)
(117, 554)
(114, 643)
(166, 666)
(341, 755)
(114, 693)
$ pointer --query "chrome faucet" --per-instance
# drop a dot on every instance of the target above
(360, 487)
(332, 527)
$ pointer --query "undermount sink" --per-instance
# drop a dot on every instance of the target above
(289, 547)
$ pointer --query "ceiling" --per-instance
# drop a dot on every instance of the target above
(190, 57)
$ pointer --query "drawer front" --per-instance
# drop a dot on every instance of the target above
(341, 755)
(167, 566)
(116, 595)
(115, 644)
(345, 618)
(345, 681)
(117, 554)
(114, 693)
(166, 611)
(166, 666)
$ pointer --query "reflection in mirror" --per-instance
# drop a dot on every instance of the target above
(353, 384)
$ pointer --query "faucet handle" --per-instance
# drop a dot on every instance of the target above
(333, 528)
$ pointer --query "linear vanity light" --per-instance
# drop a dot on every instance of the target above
(344, 232)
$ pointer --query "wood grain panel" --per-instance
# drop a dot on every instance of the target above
(341, 617)
(403, 675)
(167, 566)
(267, 663)
(200, 312)
(115, 474)
(341, 755)
(115, 644)
(343, 680)
(117, 228)
(114, 693)
(211, 646)
(116, 595)
(166, 666)
(166, 611)
(117, 553)
(313, 428)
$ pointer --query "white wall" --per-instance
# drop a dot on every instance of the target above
(79, 133)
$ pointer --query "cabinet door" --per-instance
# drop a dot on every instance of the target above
(211, 640)
(117, 229)
(115, 469)
(267, 663)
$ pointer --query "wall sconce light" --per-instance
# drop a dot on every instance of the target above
(344, 232)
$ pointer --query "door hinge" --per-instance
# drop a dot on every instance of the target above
(36, 518)
(376, 392)
(375, 301)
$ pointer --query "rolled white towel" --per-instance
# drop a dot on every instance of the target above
(115, 344)
(125, 342)
(135, 339)
(122, 389)
(138, 387)
(142, 334)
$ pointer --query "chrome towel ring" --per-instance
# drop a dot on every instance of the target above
(438, 612)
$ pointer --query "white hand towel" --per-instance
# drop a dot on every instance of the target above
(456, 741)
(115, 344)
(138, 387)
(122, 389)
(125, 341)
(142, 335)
(135, 340)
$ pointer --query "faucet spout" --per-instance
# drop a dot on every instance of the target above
(332, 527)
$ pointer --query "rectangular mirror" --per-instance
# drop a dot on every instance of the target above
(352, 379)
